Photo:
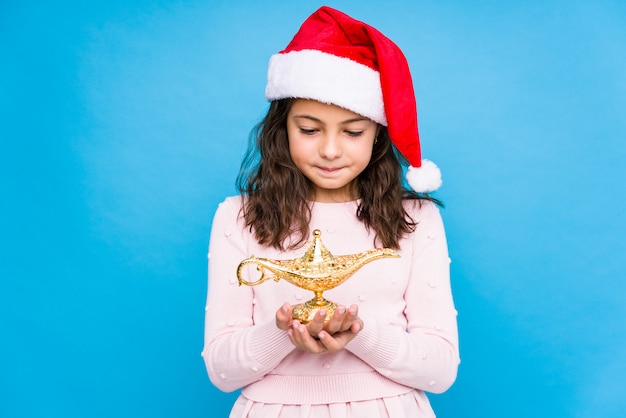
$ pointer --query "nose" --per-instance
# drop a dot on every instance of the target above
(330, 147)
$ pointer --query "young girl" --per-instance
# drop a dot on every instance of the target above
(328, 156)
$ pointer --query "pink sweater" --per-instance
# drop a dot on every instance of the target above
(409, 340)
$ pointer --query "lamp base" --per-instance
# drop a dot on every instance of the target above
(305, 312)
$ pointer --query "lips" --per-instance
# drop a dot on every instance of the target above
(329, 170)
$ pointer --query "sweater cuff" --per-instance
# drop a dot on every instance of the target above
(376, 345)
(269, 343)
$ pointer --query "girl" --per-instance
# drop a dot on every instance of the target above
(328, 156)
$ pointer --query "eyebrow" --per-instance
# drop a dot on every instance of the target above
(314, 119)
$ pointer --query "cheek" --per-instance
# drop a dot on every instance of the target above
(297, 151)
(365, 160)
(300, 147)
(291, 144)
(361, 154)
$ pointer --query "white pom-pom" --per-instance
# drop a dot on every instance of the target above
(424, 179)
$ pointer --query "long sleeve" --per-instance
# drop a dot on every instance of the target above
(423, 352)
(409, 339)
(236, 351)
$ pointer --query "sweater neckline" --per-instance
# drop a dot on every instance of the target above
(355, 202)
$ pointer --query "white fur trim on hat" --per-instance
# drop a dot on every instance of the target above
(424, 179)
(327, 78)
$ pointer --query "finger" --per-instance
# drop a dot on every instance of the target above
(350, 317)
(333, 343)
(294, 335)
(304, 341)
(317, 323)
(338, 341)
(343, 320)
(283, 316)
(356, 326)
(336, 321)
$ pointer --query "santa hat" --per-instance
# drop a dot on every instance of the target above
(338, 60)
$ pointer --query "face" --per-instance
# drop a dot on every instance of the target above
(331, 146)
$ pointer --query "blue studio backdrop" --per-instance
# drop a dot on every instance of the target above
(122, 126)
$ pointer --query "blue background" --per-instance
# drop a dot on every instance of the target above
(122, 125)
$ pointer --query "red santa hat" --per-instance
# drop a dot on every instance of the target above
(336, 59)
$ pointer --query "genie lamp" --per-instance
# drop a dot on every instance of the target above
(317, 270)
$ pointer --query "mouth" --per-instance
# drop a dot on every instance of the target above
(329, 170)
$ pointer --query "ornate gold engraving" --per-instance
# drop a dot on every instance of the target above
(317, 270)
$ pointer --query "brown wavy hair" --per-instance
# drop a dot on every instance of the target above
(276, 207)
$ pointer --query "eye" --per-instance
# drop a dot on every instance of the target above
(307, 131)
(354, 133)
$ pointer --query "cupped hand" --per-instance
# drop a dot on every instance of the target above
(283, 317)
(322, 337)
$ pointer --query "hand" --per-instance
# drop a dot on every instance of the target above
(320, 337)
(283, 317)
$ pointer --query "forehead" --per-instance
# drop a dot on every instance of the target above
(323, 111)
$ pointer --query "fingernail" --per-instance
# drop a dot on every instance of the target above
(322, 312)
(341, 310)
(322, 334)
